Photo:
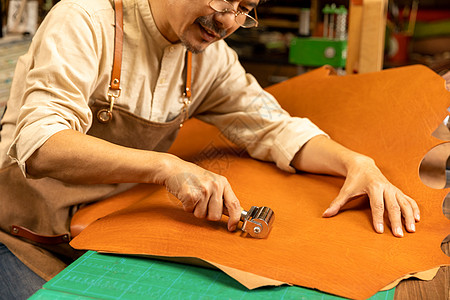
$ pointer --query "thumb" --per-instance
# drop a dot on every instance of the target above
(232, 208)
(335, 206)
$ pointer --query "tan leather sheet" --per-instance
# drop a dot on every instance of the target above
(388, 115)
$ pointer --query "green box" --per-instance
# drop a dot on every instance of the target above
(317, 52)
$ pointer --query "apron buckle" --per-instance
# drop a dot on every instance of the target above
(105, 115)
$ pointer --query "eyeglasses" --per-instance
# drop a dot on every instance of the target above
(241, 18)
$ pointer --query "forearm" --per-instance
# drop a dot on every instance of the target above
(73, 157)
(324, 156)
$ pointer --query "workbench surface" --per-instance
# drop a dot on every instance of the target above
(103, 276)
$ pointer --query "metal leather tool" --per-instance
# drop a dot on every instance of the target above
(257, 221)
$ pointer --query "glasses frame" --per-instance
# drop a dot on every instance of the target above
(236, 13)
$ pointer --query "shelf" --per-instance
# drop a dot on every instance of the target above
(279, 23)
(279, 10)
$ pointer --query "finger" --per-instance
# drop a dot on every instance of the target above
(394, 214)
(189, 200)
(233, 206)
(201, 206)
(336, 205)
(215, 206)
(188, 205)
(377, 206)
(407, 213)
(415, 208)
(187, 189)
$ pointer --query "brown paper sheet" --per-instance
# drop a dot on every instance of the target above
(387, 115)
(424, 275)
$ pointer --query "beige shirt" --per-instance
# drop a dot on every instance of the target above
(69, 65)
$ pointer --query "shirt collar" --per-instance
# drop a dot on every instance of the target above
(147, 16)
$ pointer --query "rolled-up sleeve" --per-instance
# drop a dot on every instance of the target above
(57, 80)
(252, 118)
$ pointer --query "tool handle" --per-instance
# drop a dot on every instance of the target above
(243, 213)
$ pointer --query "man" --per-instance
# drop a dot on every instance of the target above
(50, 166)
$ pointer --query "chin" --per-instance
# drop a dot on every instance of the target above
(193, 41)
(196, 47)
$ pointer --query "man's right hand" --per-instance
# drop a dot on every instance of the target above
(203, 192)
(73, 157)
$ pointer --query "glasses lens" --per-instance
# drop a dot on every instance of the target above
(246, 21)
(242, 19)
(221, 6)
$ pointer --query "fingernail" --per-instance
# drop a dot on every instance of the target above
(418, 217)
(413, 227)
(326, 211)
(380, 228)
(399, 231)
(232, 228)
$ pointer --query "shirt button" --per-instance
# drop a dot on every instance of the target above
(171, 49)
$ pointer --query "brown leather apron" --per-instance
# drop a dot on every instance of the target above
(35, 213)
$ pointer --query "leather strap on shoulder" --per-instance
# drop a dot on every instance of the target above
(118, 46)
(188, 92)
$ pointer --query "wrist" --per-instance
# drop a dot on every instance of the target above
(357, 161)
(161, 167)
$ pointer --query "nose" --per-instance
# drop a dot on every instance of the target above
(225, 20)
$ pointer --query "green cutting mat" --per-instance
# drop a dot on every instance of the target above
(103, 276)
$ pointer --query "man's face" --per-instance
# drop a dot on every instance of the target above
(197, 25)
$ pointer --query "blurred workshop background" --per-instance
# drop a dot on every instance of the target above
(293, 36)
(296, 35)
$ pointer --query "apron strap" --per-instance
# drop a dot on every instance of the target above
(114, 86)
(118, 47)
(188, 75)
(39, 238)
(187, 90)
(105, 115)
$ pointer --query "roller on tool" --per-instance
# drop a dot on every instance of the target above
(257, 221)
